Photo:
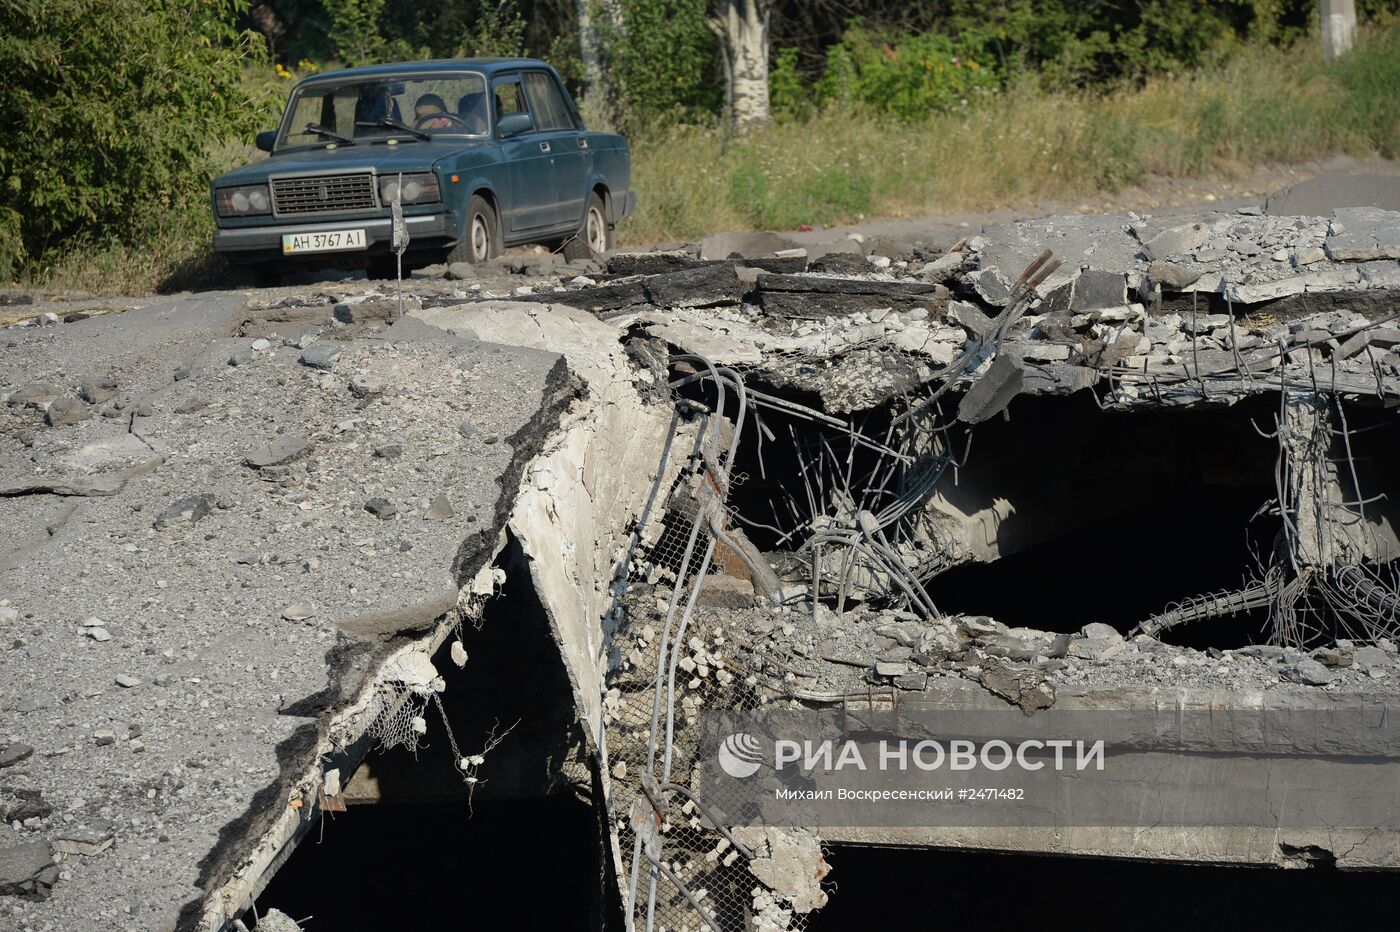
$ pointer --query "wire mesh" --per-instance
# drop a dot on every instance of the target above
(851, 515)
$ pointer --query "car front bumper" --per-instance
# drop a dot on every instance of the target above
(266, 241)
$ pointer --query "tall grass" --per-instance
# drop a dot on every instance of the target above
(1265, 105)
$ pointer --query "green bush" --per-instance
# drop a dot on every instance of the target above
(663, 62)
(786, 93)
(355, 31)
(910, 75)
(108, 117)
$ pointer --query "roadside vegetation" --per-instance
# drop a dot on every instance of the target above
(846, 162)
(119, 111)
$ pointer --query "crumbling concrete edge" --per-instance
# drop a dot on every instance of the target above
(336, 737)
(582, 496)
(341, 742)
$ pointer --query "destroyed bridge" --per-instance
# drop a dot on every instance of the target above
(275, 561)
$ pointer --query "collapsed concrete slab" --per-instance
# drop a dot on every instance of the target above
(233, 632)
(879, 517)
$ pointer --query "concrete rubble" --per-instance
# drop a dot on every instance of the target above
(245, 530)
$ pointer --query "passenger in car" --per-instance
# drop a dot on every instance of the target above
(376, 104)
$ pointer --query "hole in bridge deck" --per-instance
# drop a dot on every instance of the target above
(1114, 516)
(406, 866)
(1111, 516)
(1084, 514)
(412, 850)
(1120, 571)
(974, 889)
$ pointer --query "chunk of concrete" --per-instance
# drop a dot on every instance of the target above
(35, 393)
(65, 412)
(1096, 648)
(701, 287)
(970, 316)
(1177, 241)
(1309, 672)
(27, 869)
(186, 512)
(322, 355)
(1380, 274)
(1023, 686)
(1363, 234)
(990, 394)
(1372, 659)
(1095, 288)
(1174, 275)
(990, 286)
(276, 452)
(96, 391)
(1321, 280)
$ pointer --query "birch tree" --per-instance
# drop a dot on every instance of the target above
(742, 28)
(600, 24)
(1338, 27)
(590, 49)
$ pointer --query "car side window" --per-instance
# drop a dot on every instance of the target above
(547, 103)
(510, 98)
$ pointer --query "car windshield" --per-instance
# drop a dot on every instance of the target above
(374, 109)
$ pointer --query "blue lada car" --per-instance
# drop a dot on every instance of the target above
(483, 153)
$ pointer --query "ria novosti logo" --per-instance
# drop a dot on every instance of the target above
(740, 755)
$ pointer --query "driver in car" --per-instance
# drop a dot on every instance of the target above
(431, 113)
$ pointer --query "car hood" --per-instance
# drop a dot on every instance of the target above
(385, 159)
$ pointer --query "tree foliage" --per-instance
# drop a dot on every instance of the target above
(110, 110)
(913, 57)
(904, 57)
(373, 31)
(662, 60)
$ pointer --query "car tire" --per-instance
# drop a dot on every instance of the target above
(481, 237)
(596, 235)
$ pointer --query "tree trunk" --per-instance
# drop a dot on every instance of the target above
(1338, 27)
(742, 27)
(266, 21)
(590, 49)
(592, 41)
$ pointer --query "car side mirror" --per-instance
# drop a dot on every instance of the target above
(513, 124)
(267, 139)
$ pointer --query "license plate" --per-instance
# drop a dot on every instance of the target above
(324, 241)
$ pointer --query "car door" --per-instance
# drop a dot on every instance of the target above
(568, 162)
(531, 203)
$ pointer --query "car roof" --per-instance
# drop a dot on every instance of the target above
(489, 66)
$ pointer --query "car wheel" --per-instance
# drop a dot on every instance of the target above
(481, 240)
(597, 233)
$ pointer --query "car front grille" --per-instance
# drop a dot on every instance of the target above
(323, 194)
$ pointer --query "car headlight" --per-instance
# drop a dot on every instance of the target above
(243, 201)
(420, 188)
